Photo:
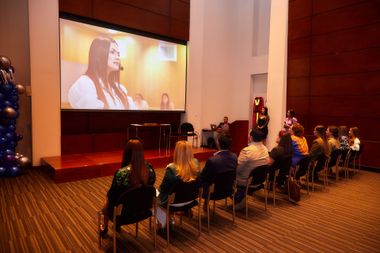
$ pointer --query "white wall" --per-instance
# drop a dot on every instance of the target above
(44, 68)
(235, 47)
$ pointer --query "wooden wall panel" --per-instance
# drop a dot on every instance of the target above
(77, 144)
(366, 125)
(299, 28)
(81, 8)
(349, 106)
(298, 87)
(132, 17)
(363, 13)
(346, 40)
(328, 5)
(299, 48)
(180, 10)
(365, 60)
(169, 18)
(109, 141)
(157, 6)
(300, 8)
(299, 67)
(364, 84)
(340, 85)
(300, 104)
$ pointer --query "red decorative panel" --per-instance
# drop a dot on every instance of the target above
(298, 87)
(363, 84)
(352, 39)
(370, 156)
(365, 60)
(299, 28)
(109, 142)
(76, 144)
(300, 9)
(299, 48)
(363, 13)
(299, 67)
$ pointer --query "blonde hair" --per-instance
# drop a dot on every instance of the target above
(183, 160)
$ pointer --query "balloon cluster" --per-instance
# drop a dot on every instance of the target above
(10, 161)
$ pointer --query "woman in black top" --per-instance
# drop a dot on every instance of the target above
(263, 120)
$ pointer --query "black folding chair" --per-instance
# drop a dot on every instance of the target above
(223, 187)
(258, 179)
(133, 206)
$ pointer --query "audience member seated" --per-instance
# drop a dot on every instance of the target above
(140, 102)
(290, 120)
(134, 171)
(222, 129)
(250, 157)
(183, 168)
(354, 138)
(343, 138)
(333, 138)
(300, 147)
(279, 155)
(319, 147)
(223, 161)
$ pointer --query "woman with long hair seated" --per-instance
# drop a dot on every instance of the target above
(183, 168)
(354, 138)
(134, 172)
(319, 147)
(300, 147)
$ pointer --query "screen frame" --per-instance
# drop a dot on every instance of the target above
(107, 25)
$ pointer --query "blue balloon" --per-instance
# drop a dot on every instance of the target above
(8, 103)
(10, 158)
(2, 170)
(9, 152)
(14, 171)
(1, 96)
(10, 135)
(3, 141)
(11, 127)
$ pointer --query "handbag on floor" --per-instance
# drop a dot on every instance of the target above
(294, 190)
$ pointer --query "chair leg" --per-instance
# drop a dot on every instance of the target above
(137, 229)
(213, 210)
(167, 228)
(246, 206)
(208, 216)
(233, 208)
(199, 214)
(99, 223)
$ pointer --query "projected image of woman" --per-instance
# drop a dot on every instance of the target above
(99, 87)
(166, 104)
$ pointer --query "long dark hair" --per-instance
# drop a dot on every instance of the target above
(286, 143)
(134, 156)
(97, 70)
(321, 131)
(167, 104)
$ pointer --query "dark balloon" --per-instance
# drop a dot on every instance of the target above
(10, 158)
(5, 63)
(2, 171)
(20, 89)
(24, 162)
(14, 171)
(10, 112)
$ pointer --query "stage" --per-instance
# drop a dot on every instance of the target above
(90, 165)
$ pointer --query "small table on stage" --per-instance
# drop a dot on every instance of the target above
(164, 132)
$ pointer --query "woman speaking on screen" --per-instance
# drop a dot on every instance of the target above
(99, 87)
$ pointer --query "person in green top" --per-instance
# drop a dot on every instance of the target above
(134, 172)
(183, 168)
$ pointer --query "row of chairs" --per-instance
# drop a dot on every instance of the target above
(137, 204)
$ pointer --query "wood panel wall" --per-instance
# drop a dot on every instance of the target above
(169, 18)
(84, 132)
(334, 67)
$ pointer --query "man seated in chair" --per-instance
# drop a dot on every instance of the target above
(223, 161)
(222, 129)
(250, 157)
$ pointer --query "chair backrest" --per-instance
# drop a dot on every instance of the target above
(186, 127)
(259, 174)
(334, 157)
(186, 191)
(137, 201)
(224, 185)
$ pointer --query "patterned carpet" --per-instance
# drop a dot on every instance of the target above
(38, 215)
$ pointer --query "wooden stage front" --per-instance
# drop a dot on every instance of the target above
(84, 166)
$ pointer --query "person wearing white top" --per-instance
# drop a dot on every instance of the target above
(99, 87)
(354, 138)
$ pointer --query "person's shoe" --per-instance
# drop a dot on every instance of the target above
(240, 205)
(103, 231)
(162, 233)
